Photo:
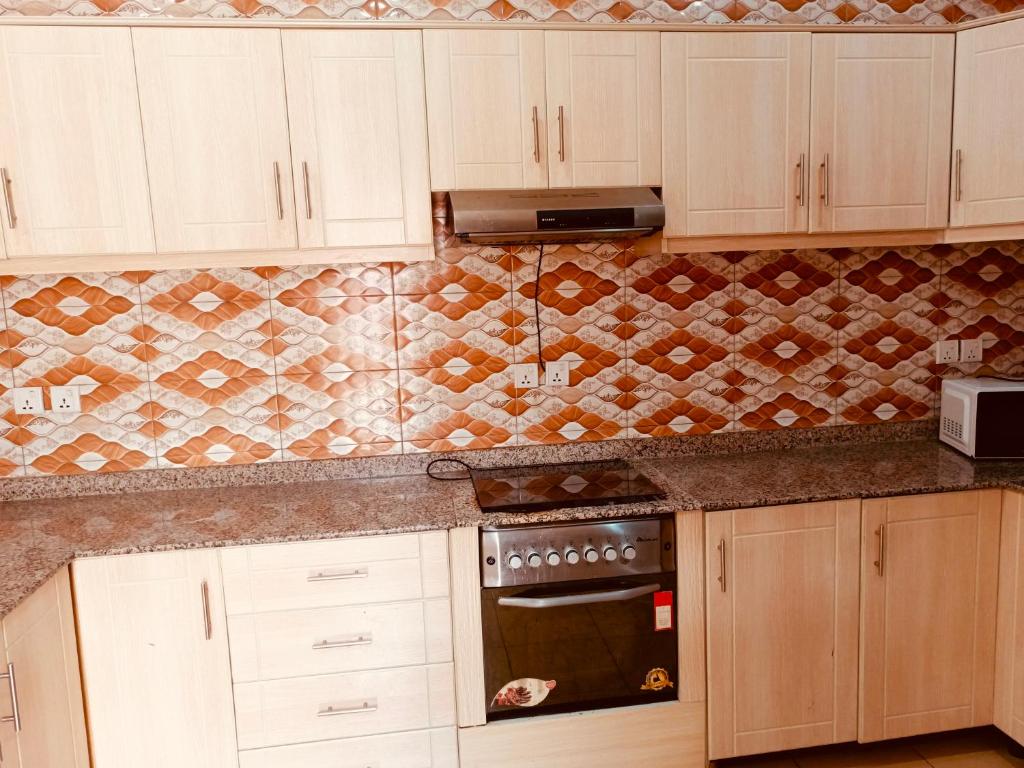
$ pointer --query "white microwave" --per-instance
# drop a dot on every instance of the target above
(983, 417)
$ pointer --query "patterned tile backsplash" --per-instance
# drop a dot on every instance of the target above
(191, 368)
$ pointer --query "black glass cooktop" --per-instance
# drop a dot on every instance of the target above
(556, 486)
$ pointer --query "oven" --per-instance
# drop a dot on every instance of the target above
(578, 616)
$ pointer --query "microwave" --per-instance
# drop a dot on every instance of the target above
(983, 417)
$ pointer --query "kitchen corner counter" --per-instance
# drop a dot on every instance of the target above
(39, 536)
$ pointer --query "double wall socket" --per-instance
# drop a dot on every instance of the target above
(62, 400)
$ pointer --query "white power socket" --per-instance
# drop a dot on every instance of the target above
(556, 373)
(971, 350)
(65, 400)
(947, 351)
(28, 399)
(525, 375)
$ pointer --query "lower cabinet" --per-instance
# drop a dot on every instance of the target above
(1009, 686)
(155, 666)
(782, 587)
(929, 580)
(42, 720)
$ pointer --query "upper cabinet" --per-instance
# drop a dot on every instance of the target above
(72, 164)
(213, 109)
(359, 137)
(880, 118)
(988, 156)
(735, 132)
(543, 109)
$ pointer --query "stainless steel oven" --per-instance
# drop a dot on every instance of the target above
(578, 616)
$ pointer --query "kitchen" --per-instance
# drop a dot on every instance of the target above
(439, 385)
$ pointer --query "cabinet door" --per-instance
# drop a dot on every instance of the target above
(735, 125)
(213, 109)
(41, 648)
(155, 664)
(359, 137)
(71, 153)
(486, 109)
(988, 172)
(782, 627)
(1009, 684)
(881, 107)
(604, 108)
(929, 568)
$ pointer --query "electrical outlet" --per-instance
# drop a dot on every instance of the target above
(947, 351)
(65, 400)
(971, 350)
(525, 375)
(556, 373)
(28, 399)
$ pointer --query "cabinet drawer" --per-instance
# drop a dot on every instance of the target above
(344, 706)
(355, 571)
(267, 646)
(419, 749)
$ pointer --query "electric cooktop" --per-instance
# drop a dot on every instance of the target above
(541, 487)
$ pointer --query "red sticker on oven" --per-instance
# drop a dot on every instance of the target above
(662, 611)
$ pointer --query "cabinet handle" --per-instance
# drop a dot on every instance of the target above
(800, 183)
(207, 616)
(825, 182)
(12, 684)
(959, 175)
(305, 189)
(880, 562)
(357, 573)
(325, 645)
(721, 563)
(5, 181)
(536, 136)
(277, 186)
(331, 711)
(561, 134)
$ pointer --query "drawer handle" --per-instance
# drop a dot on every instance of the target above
(331, 710)
(16, 715)
(357, 573)
(323, 645)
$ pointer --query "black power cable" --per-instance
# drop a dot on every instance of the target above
(536, 307)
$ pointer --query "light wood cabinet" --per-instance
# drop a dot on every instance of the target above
(486, 108)
(216, 126)
(358, 137)
(40, 646)
(1009, 684)
(782, 594)
(987, 184)
(880, 131)
(72, 163)
(735, 125)
(155, 664)
(929, 568)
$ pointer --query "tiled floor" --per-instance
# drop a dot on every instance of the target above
(980, 748)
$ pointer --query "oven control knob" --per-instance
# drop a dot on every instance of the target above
(572, 556)
(553, 558)
(534, 559)
(629, 552)
(590, 555)
(515, 561)
(610, 554)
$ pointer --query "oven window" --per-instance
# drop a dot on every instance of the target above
(576, 646)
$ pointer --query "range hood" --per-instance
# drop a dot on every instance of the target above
(514, 216)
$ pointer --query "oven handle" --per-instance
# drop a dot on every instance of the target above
(610, 596)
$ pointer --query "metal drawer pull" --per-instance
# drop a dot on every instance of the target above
(323, 645)
(800, 186)
(959, 175)
(277, 186)
(536, 136)
(5, 181)
(880, 562)
(330, 710)
(721, 563)
(358, 573)
(207, 617)
(305, 187)
(561, 134)
(16, 715)
(825, 196)
(585, 598)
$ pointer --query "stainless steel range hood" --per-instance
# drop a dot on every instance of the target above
(508, 217)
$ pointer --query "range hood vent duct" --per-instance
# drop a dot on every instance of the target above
(514, 217)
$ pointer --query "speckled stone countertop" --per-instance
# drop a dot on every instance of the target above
(39, 536)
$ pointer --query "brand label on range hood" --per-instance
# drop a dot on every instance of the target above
(586, 218)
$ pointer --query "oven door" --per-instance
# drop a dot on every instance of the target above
(575, 646)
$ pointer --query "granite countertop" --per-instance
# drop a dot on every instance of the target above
(39, 536)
